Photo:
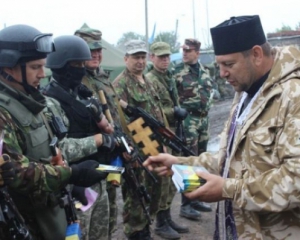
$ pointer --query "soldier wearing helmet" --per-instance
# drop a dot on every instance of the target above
(37, 186)
(67, 64)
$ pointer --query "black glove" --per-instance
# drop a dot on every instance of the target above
(94, 108)
(180, 113)
(84, 174)
(108, 142)
(79, 194)
(7, 170)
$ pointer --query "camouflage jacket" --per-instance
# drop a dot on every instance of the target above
(137, 94)
(165, 86)
(194, 89)
(99, 80)
(264, 176)
(141, 95)
(32, 178)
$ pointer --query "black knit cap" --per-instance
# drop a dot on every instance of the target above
(237, 34)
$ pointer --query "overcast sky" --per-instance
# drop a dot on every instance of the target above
(115, 17)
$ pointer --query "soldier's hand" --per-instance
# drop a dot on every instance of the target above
(84, 174)
(95, 109)
(7, 170)
(108, 142)
(79, 194)
(105, 126)
(58, 159)
(180, 113)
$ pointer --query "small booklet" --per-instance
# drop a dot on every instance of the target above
(110, 168)
(185, 178)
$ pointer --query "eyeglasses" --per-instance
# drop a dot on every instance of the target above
(42, 43)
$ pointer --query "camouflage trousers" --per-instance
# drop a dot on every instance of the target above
(196, 132)
(168, 193)
(95, 221)
(113, 207)
(134, 218)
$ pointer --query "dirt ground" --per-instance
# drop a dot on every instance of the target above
(203, 229)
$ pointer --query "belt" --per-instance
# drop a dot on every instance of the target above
(198, 114)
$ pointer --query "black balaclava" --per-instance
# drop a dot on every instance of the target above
(68, 76)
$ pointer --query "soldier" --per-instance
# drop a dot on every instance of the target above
(36, 187)
(255, 177)
(67, 65)
(135, 89)
(194, 89)
(164, 83)
(96, 80)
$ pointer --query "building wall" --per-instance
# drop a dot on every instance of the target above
(284, 41)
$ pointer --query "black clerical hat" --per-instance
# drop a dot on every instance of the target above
(237, 34)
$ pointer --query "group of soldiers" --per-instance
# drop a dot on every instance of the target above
(70, 109)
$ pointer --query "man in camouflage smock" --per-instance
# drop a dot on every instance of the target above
(135, 89)
(165, 86)
(194, 89)
(257, 179)
(37, 185)
(95, 80)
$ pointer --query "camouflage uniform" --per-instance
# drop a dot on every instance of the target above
(194, 90)
(36, 186)
(136, 94)
(162, 82)
(96, 80)
(263, 178)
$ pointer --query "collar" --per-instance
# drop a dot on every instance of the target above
(257, 85)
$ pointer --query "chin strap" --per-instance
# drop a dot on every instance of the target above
(24, 83)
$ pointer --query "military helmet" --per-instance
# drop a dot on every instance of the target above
(21, 43)
(68, 48)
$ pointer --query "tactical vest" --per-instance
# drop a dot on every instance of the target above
(81, 124)
(33, 129)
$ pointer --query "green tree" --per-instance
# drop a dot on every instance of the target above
(284, 28)
(128, 36)
(170, 38)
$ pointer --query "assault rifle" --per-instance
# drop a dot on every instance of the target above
(160, 132)
(133, 183)
(66, 200)
(11, 219)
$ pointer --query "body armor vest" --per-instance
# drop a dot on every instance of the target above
(36, 136)
(81, 123)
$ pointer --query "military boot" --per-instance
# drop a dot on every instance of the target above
(141, 235)
(187, 211)
(175, 226)
(163, 228)
(201, 206)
